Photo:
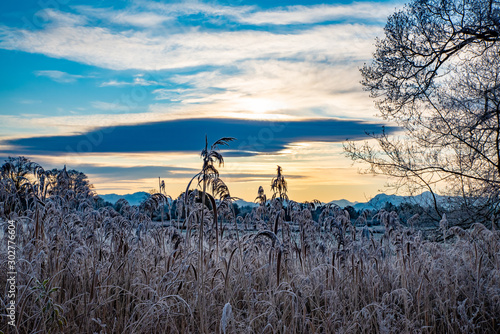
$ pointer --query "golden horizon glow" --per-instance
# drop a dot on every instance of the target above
(326, 179)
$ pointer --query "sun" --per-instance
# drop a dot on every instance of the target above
(261, 105)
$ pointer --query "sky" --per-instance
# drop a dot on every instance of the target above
(126, 91)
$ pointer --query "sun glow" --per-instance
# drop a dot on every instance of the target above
(260, 105)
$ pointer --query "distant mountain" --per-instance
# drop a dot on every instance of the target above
(379, 201)
(343, 203)
(132, 199)
(376, 203)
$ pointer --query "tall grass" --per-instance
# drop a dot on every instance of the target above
(84, 269)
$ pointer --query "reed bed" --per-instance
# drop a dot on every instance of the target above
(89, 269)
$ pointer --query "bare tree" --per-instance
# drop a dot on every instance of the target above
(436, 75)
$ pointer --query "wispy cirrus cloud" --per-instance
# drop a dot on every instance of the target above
(300, 89)
(319, 13)
(134, 172)
(285, 15)
(109, 106)
(138, 80)
(124, 17)
(302, 71)
(59, 76)
(137, 172)
(123, 50)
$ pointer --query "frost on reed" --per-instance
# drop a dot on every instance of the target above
(86, 268)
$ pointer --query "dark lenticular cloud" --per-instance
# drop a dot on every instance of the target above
(188, 135)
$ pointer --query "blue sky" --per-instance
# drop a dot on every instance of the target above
(125, 91)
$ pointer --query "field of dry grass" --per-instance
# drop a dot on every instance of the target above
(89, 269)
